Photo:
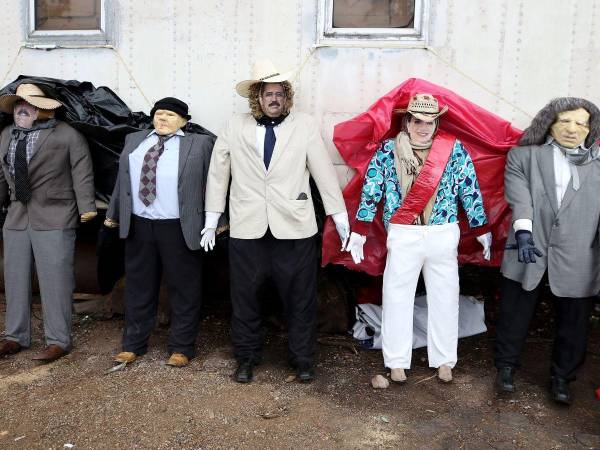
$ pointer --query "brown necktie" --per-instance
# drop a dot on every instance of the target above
(147, 191)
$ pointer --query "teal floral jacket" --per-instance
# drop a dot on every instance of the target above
(458, 181)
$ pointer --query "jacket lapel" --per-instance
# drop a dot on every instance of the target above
(283, 133)
(39, 144)
(583, 172)
(135, 141)
(5, 144)
(545, 157)
(185, 145)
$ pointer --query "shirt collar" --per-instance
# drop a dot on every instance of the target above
(177, 133)
(550, 140)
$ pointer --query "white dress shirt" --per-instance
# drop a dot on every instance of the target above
(166, 204)
(562, 178)
(260, 138)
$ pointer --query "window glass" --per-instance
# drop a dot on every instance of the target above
(67, 14)
(373, 13)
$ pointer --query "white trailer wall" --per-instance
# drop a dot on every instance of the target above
(510, 56)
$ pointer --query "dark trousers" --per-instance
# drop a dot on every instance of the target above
(154, 247)
(572, 318)
(292, 264)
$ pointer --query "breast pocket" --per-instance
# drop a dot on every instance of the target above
(60, 194)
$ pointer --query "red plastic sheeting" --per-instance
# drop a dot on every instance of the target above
(486, 136)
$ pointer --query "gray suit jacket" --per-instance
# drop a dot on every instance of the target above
(568, 237)
(61, 179)
(194, 159)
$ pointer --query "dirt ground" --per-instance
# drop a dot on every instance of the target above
(72, 403)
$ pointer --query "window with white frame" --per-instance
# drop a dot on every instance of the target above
(68, 22)
(360, 22)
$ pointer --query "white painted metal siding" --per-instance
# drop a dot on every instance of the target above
(510, 56)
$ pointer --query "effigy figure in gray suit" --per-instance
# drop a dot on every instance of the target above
(552, 182)
(48, 183)
(158, 206)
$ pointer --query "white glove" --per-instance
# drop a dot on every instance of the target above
(342, 226)
(486, 242)
(355, 247)
(208, 233)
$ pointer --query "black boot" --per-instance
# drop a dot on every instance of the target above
(504, 380)
(243, 373)
(560, 391)
(305, 373)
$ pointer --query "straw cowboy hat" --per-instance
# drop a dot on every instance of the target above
(31, 94)
(424, 107)
(263, 71)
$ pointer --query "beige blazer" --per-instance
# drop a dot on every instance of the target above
(261, 198)
(61, 179)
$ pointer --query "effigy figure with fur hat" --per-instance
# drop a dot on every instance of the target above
(552, 180)
(47, 182)
(421, 176)
(269, 154)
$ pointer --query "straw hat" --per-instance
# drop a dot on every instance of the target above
(263, 71)
(32, 95)
(424, 107)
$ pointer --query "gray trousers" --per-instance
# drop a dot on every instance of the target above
(53, 252)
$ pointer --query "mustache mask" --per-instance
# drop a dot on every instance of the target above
(25, 114)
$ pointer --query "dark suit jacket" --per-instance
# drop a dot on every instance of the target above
(61, 180)
(194, 158)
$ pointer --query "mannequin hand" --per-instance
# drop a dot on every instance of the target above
(85, 217)
(355, 247)
(208, 238)
(111, 223)
(486, 242)
(526, 247)
(342, 226)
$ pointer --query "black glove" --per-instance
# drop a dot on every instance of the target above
(526, 247)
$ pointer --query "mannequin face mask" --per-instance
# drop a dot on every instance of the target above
(272, 99)
(167, 122)
(24, 114)
(571, 128)
(420, 132)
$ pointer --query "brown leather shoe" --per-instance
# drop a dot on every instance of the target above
(126, 357)
(51, 353)
(8, 347)
(178, 360)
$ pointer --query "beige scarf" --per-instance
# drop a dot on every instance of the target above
(409, 159)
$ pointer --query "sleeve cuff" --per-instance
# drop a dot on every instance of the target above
(211, 219)
(523, 224)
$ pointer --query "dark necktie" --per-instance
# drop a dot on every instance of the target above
(147, 191)
(22, 187)
(269, 144)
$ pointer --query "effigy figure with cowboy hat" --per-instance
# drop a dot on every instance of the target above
(421, 176)
(47, 182)
(269, 155)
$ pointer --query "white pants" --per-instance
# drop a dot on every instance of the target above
(410, 249)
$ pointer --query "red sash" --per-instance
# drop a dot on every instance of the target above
(427, 181)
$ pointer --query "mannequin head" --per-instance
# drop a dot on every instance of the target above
(420, 131)
(571, 121)
(25, 114)
(270, 99)
(169, 115)
(571, 127)
(167, 122)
